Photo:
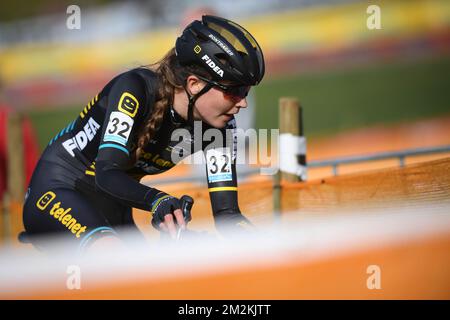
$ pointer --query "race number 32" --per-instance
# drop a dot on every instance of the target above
(119, 128)
(219, 165)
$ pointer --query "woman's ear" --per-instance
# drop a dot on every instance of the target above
(194, 84)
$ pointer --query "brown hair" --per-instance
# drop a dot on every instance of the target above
(171, 75)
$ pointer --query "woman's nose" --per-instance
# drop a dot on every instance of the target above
(242, 103)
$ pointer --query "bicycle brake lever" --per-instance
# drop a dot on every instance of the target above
(186, 205)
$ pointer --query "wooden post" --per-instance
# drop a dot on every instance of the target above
(291, 126)
(276, 194)
(2, 222)
(15, 172)
(15, 162)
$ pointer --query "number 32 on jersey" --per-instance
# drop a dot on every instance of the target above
(119, 128)
(219, 165)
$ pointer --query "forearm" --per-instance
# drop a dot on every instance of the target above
(226, 212)
(117, 184)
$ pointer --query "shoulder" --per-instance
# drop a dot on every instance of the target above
(140, 77)
(133, 91)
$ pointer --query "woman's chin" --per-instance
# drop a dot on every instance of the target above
(219, 122)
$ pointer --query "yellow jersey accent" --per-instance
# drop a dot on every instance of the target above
(66, 219)
(128, 104)
(222, 189)
(88, 107)
(91, 172)
(45, 200)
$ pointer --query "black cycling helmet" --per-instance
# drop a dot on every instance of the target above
(223, 48)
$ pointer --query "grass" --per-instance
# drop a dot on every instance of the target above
(48, 123)
(362, 96)
(332, 101)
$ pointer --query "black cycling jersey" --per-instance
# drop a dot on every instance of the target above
(93, 157)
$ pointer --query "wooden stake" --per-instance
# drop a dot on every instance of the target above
(291, 122)
(15, 161)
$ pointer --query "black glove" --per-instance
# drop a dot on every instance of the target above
(162, 205)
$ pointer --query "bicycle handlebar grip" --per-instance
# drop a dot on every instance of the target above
(186, 205)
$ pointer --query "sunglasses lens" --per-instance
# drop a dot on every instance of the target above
(237, 92)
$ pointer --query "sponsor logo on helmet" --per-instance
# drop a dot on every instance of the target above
(212, 65)
(221, 44)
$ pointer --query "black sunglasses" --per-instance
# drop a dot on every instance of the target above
(239, 92)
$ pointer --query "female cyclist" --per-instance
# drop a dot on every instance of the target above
(87, 180)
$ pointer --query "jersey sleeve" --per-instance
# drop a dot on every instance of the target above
(222, 178)
(125, 114)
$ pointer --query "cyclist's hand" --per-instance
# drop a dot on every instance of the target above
(167, 214)
(169, 225)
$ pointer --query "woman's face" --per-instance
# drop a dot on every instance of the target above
(215, 107)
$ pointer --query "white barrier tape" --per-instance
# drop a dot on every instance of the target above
(307, 236)
(290, 147)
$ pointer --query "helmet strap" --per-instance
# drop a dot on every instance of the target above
(192, 100)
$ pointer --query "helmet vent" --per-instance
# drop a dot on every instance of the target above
(223, 58)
